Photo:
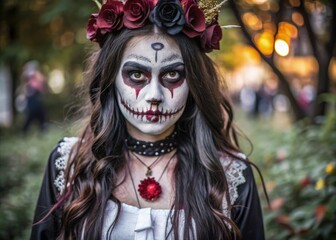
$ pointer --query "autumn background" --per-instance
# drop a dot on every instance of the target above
(280, 68)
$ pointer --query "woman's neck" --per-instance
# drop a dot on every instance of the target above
(137, 134)
(149, 148)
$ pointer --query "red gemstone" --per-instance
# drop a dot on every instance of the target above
(149, 189)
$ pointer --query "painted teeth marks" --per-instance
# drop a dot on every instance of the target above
(157, 46)
(151, 115)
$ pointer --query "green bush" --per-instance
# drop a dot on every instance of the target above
(302, 184)
(22, 163)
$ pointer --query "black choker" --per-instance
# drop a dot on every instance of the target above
(152, 148)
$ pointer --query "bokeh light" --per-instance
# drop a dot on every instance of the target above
(56, 81)
(294, 3)
(281, 47)
(297, 19)
(252, 21)
(265, 42)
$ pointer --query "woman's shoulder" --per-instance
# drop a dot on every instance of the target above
(59, 159)
(234, 166)
(236, 169)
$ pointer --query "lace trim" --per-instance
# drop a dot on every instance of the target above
(64, 150)
(234, 174)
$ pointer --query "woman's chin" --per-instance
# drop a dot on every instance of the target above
(150, 131)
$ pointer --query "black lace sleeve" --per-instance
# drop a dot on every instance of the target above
(247, 211)
(47, 229)
(52, 186)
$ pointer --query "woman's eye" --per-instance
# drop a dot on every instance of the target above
(172, 76)
(137, 76)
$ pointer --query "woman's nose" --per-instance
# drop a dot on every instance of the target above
(154, 92)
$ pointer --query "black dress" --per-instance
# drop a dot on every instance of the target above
(243, 191)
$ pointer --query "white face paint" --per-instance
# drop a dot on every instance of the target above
(151, 86)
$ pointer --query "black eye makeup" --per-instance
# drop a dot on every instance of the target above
(172, 73)
(136, 74)
(172, 76)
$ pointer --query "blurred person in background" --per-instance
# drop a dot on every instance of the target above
(158, 157)
(35, 111)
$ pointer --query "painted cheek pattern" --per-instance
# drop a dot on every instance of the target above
(135, 79)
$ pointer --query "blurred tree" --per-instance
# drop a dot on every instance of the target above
(268, 24)
(51, 32)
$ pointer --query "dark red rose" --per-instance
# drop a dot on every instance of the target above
(110, 16)
(93, 32)
(136, 12)
(211, 37)
(194, 17)
(168, 15)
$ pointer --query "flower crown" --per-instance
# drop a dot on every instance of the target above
(196, 19)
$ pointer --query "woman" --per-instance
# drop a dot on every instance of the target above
(158, 158)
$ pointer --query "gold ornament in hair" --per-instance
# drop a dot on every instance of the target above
(210, 9)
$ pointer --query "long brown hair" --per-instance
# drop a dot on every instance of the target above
(205, 129)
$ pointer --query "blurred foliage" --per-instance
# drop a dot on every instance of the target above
(22, 162)
(298, 164)
(47, 31)
(53, 33)
(225, 57)
(301, 180)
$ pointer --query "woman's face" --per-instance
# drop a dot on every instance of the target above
(151, 86)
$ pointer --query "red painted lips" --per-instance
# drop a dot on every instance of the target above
(153, 116)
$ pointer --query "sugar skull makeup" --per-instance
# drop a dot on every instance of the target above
(151, 86)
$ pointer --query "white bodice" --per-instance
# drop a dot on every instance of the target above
(136, 223)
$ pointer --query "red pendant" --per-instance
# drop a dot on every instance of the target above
(149, 189)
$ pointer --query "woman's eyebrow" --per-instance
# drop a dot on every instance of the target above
(137, 65)
(172, 66)
(139, 57)
(171, 58)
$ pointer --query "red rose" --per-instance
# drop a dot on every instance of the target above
(136, 13)
(110, 16)
(93, 32)
(211, 37)
(194, 17)
(186, 2)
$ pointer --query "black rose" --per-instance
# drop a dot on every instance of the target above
(168, 15)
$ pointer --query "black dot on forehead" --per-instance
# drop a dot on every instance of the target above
(157, 46)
